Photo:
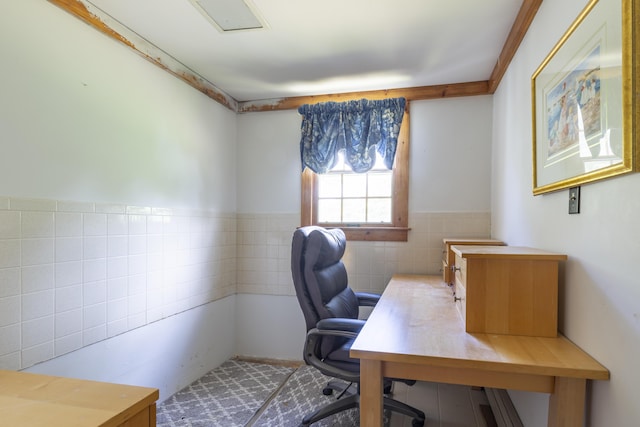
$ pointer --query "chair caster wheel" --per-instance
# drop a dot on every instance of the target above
(417, 423)
(327, 391)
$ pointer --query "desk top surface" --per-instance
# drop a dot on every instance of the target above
(41, 400)
(506, 252)
(416, 321)
(487, 242)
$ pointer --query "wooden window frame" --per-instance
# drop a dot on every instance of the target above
(398, 230)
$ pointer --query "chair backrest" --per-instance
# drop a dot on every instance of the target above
(319, 275)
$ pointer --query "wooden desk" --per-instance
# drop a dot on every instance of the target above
(33, 400)
(415, 332)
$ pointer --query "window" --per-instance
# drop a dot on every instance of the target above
(367, 206)
(355, 198)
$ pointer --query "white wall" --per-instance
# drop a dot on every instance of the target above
(167, 354)
(270, 326)
(83, 118)
(450, 163)
(84, 122)
(600, 295)
(268, 171)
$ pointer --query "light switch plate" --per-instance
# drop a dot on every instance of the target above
(574, 200)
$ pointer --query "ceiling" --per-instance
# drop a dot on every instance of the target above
(327, 46)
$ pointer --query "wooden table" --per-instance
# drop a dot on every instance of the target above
(30, 400)
(415, 332)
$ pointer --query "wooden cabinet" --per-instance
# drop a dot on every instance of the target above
(35, 400)
(507, 290)
(449, 258)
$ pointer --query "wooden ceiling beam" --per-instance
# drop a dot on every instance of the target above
(411, 94)
(519, 29)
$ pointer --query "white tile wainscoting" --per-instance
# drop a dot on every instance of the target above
(72, 274)
(264, 250)
(75, 273)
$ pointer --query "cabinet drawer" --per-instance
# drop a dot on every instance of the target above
(460, 268)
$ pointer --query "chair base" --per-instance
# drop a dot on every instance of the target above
(337, 386)
(341, 386)
(347, 402)
(352, 400)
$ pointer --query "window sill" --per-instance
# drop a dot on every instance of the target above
(376, 234)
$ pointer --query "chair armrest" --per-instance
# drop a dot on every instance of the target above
(340, 324)
(312, 349)
(367, 299)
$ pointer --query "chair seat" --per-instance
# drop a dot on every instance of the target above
(340, 358)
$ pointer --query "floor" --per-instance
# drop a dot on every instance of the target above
(445, 405)
(242, 393)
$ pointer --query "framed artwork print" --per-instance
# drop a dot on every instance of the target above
(584, 111)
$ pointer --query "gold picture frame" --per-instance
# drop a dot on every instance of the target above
(584, 111)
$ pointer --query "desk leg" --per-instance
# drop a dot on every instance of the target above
(370, 392)
(566, 404)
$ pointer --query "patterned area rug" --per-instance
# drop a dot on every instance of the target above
(301, 395)
(228, 396)
(248, 394)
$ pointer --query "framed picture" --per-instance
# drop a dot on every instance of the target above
(584, 112)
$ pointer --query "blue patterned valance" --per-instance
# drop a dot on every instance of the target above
(360, 128)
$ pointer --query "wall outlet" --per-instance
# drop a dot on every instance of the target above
(574, 200)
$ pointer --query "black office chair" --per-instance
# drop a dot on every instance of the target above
(331, 309)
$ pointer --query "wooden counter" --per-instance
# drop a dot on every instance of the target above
(34, 400)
